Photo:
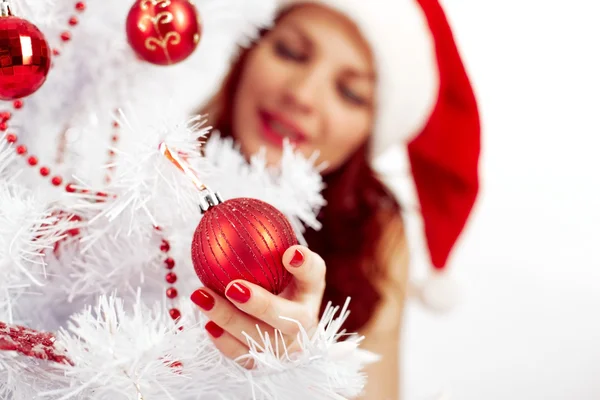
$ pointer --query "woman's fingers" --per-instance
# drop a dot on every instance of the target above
(308, 269)
(227, 344)
(269, 308)
(253, 310)
(228, 317)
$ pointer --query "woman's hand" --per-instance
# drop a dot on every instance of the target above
(248, 305)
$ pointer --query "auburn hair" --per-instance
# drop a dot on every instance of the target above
(361, 224)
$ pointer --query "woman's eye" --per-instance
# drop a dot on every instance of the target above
(287, 53)
(351, 96)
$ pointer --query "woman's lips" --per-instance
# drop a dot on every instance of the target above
(275, 129)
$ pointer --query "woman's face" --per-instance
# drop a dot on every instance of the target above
(310, 80)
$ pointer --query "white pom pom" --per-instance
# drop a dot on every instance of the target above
(440, 292)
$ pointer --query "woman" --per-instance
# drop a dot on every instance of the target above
(349, 79)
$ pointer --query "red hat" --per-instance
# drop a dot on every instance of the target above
(426, 101)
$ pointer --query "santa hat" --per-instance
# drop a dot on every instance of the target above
(425, 102)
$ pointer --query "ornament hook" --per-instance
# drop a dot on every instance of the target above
(182, 165)
(5, 9)
(208, 197)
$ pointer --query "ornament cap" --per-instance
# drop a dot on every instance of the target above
(209, 199)
(5, 9)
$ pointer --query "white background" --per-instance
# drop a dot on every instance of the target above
(528, 327)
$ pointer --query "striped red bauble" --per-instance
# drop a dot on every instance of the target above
(245, 239)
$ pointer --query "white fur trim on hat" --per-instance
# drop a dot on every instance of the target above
(406, 64)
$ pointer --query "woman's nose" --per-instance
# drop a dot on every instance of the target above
(304, 90)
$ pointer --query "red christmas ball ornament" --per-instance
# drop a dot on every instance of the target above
(24, 56)
(242, 238)
(163, 32)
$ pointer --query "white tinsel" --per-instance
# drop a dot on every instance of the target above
(29, 229)
(293, 187)
(149, 189)
(142, 354)
(43, 13)
(7, 159)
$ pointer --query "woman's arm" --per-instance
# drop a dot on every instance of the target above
(383, 376)
(383, 338)
(383, 332)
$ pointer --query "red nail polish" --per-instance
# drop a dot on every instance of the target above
(215, 330)
(238, 293)
(298, 259)
(203, 299)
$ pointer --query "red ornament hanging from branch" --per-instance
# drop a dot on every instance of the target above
(24, 56)
(240, 238)
(163, 32)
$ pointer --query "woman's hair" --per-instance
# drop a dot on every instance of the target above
(361, 221)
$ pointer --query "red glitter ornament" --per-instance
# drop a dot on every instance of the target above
(31, 343)
(24, 57)
(242, 239)
(163, 32)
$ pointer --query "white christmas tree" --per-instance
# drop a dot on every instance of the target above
(93, 216)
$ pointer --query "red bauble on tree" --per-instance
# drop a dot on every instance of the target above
(163, 32)
(242, 239)
(24, 56)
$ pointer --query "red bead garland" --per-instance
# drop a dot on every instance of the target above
(170, 277)
(22, 150)
(165, 246)
(111, 153)
(175, 313)
(170, 263)
(45, 171)
(66, 35)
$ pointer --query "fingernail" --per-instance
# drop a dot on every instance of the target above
(298, 259)
(215, 330)
(238, 292)
(203, 299)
